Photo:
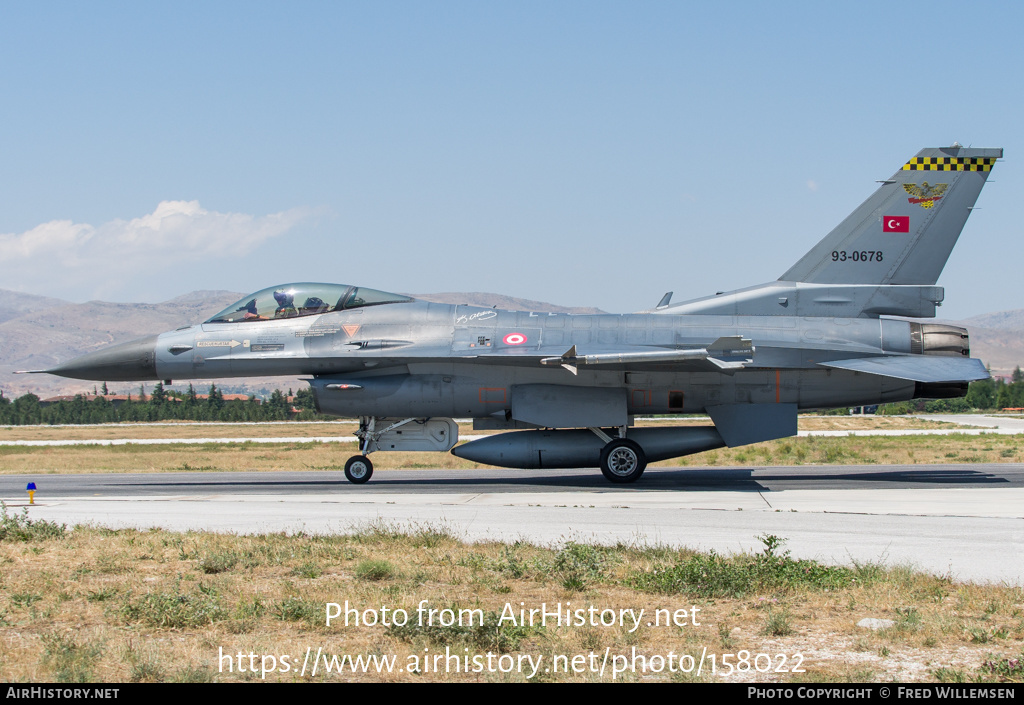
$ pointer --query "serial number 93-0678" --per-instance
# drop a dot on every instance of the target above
(857, 256)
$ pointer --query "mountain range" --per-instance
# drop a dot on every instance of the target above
(37, 332)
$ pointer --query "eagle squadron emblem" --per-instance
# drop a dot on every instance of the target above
(926, 194)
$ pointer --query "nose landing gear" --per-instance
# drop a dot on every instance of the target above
(358, 469)
(375, 433)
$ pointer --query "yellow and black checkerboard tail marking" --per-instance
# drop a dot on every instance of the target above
(950, 164)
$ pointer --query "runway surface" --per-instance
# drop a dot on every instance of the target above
(964, 521)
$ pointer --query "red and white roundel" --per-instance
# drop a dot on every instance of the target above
(514, 339)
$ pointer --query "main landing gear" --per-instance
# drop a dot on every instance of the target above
(622, 460)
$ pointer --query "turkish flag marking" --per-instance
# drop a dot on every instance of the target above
(895, 223)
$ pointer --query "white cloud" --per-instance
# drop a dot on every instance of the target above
(60, 254)
(812, 185)
(55, 236)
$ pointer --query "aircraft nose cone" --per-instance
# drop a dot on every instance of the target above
(124, 362)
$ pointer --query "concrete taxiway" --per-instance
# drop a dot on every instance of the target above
(964, 521)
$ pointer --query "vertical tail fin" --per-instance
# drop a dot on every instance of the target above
(903, 233)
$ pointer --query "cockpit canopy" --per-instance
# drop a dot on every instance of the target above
(304, 299)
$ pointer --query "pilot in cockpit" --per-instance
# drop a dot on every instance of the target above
(314, 304)
(251, 314)
(285, 304)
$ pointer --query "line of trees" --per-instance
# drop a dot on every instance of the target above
(986, 395)
(161, 405)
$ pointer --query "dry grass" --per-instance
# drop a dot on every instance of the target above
(206, 457)
(179, 430)
(299, 456)
(303, 429)
(99, 605)
(864, 450)
(869, 422)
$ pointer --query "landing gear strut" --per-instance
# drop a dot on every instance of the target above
(359, 469)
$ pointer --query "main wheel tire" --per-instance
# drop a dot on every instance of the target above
(358, 469)
(623, 460)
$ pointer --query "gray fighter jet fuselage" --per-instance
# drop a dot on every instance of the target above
(568, 387)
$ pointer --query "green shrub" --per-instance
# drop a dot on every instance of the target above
(713, 575)
(579, 564)
(15, 527)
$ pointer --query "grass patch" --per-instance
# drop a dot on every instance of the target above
(297, 609)
(712, 575)
(175, 608)
(476, 629)
(218, 562)
(375, 570)
(578, 565)
(778, 622)
(126, 605)
(69, 660)
(19, 527)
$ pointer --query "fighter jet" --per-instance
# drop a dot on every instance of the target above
(566, 389)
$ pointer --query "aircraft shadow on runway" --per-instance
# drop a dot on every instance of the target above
(704, 479)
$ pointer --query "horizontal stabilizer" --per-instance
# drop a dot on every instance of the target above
(917, 368)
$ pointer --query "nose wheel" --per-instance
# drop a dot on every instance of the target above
(358, 469)
(623, 461)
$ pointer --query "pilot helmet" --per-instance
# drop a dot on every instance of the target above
(283, 298)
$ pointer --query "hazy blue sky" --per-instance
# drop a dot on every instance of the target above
(583, 153)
